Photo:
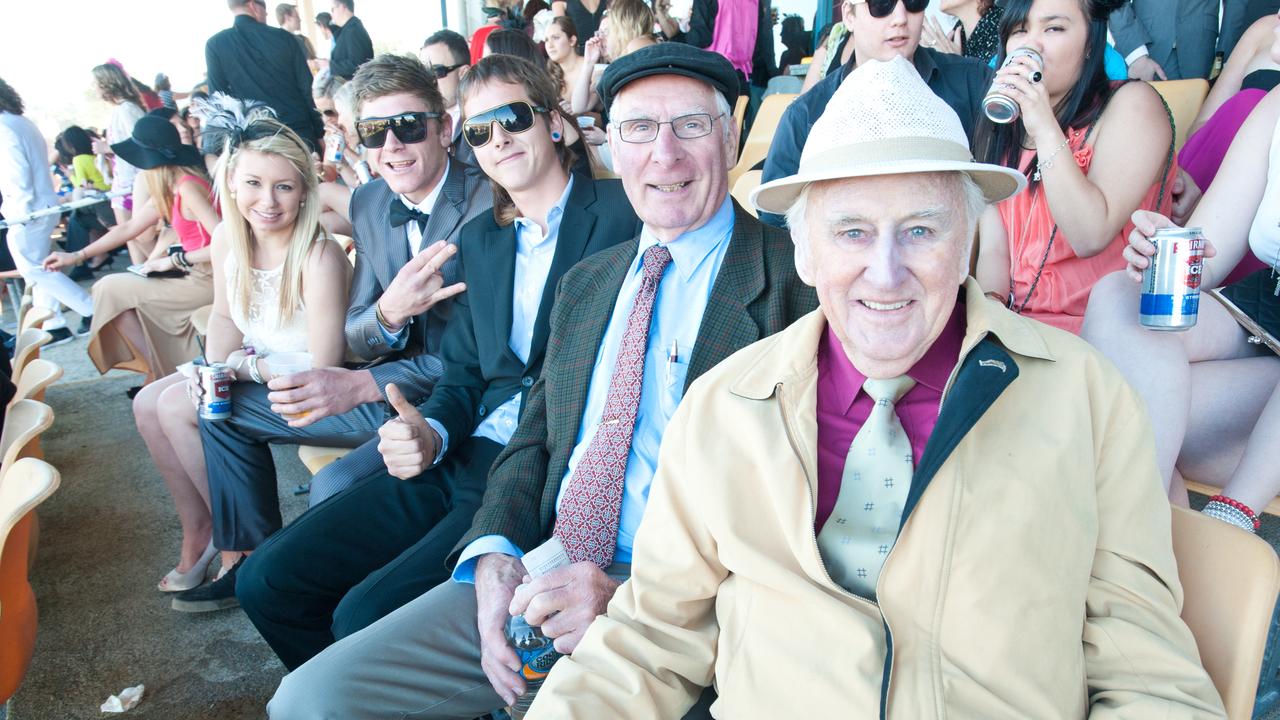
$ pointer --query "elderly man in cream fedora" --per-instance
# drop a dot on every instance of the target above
(911, 503)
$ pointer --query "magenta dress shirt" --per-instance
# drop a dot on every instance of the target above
(843, 406)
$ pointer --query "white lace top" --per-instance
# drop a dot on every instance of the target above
(261, 324)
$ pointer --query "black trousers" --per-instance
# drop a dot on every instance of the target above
(361, 554)
(242, 473)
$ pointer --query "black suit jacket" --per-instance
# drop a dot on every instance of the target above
(755, 294)
(481, 371)
(381, 251)
(252, 61)
(352, 49)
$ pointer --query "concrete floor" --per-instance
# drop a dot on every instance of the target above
(107, 537)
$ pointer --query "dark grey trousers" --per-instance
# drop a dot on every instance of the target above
(242, 475)
(421, 662)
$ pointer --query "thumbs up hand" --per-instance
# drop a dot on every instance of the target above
(408, 444)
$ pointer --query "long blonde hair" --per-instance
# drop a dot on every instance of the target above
(162, 184)
(628, 20)
(268, 136)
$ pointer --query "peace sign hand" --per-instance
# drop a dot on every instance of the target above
(418, 286)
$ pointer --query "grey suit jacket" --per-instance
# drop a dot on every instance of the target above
(381, 251)
(1181, 35)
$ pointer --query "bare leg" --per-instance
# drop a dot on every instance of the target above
(1257, 480)
(1158, 364)
(192, 504)
(178, 421)
(129, 326)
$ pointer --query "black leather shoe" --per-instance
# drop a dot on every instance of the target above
(60, 336)
(217, 595)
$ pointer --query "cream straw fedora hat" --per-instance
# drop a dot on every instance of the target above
(884, 120)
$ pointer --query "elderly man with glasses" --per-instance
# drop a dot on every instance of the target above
(912, 503)
(632, 327)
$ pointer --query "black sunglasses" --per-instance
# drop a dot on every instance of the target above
(514, 117)
(409, 128)
(882, 8)
(442, 71)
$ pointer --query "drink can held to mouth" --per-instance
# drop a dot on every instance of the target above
(215, 390)
(999, 107)
(1171, 283)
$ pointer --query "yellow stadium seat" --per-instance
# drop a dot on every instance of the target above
(27, 348)
(757, 143)
(316, 457)
(38, 375)
(1184, 98)
(1230, 579)
(22, 487)
(749, 181)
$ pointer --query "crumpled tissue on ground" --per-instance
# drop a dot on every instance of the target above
(126, 700)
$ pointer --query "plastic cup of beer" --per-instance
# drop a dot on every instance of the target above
(288, 363)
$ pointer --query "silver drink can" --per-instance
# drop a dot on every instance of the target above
(998, 107)
(1171, 283)
(215, 390)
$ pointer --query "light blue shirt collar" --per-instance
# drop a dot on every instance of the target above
(528, 230)
(693, 247)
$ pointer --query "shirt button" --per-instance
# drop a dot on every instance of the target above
(527, 381)
(482, 410)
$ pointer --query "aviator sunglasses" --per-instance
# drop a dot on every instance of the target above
(409, 128)
(514, 117)
(882, 8)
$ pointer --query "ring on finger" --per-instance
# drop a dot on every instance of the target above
(1036, 76)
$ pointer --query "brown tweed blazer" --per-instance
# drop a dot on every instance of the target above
(756, 294)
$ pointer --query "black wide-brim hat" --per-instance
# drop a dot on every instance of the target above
(155, 143)
(669, 58)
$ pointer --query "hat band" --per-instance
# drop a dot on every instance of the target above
(162, 150)
(848, 158)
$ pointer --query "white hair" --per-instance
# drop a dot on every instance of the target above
(798, 222)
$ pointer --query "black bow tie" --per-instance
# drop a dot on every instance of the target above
(401, 214)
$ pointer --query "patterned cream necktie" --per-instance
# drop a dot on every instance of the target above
(857, 537)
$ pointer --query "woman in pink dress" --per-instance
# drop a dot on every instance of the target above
(1093, 152)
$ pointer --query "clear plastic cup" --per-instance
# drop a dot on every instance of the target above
(288, 363)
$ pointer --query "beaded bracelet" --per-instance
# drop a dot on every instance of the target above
(1238, 507)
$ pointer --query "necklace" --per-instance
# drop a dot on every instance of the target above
(1022, 243)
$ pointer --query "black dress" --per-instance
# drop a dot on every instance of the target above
(585, 21)
(985, 41)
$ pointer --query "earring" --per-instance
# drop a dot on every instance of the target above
(555, 136)
(303, 204)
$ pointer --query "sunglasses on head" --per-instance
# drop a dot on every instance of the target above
(442, 71)
(514, 117)
(409, 128)
(882, 8)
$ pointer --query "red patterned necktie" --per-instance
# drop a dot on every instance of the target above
(587, 521)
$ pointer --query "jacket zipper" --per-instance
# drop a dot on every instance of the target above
(813, 535)
(956, 371)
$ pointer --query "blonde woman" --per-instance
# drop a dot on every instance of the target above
(627, 28)
(140, 323)
(280, 285)
(115, 87)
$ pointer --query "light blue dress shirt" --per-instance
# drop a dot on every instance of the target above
(696, 257)
(534, 253)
